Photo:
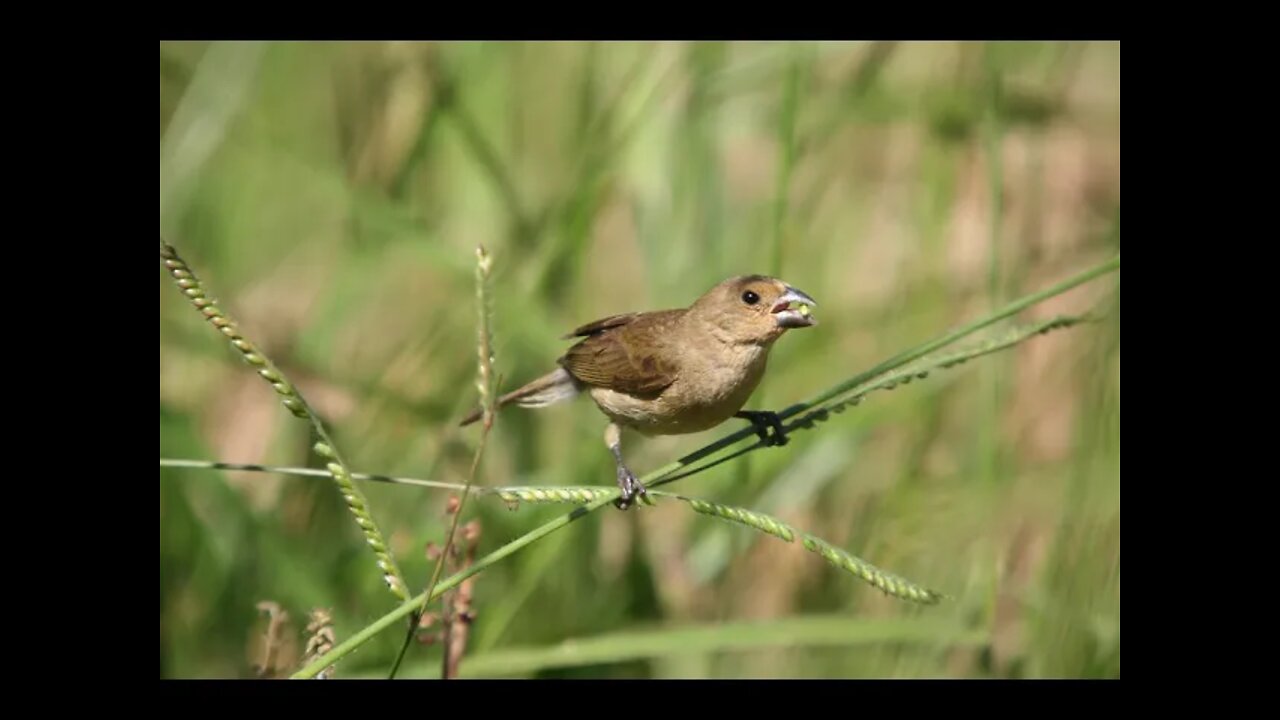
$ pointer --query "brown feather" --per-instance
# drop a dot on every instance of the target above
(599, 326)
(627, 353)
(554, 387)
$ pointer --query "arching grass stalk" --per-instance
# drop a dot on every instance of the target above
(488, 399)
(650, 479)
(190, 286)
(887, 583)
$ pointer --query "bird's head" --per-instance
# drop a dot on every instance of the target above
(755, 308)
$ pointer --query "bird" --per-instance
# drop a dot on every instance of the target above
(677, 371)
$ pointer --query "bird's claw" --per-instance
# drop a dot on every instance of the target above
(763, 421)
(631, 488)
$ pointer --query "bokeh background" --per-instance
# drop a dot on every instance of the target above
(331, 195)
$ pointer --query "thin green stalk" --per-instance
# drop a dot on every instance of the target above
(485, 384)
(448, 547)
(191, 286)
(921, 370)
(920, 351)
(814, 631)
(305, 472)
(511, 494)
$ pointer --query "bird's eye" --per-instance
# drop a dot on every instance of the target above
(750, 298)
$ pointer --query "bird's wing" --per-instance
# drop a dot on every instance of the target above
(627, 353)
(599, 326)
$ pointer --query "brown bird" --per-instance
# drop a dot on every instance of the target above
(670, 372)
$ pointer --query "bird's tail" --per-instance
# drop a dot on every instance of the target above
(554, 387)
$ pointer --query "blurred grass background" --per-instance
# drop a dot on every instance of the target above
(331, 195)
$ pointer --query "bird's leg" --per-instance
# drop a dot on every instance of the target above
(627, 481)
(763, 420)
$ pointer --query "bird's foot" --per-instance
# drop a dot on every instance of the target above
(631, 488)
(763, 421)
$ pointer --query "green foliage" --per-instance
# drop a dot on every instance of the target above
(333, 194)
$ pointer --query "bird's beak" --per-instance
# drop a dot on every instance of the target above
(789, 317)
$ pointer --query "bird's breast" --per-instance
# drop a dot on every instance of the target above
(710, 387)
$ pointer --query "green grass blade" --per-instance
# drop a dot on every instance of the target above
(513, 494)
(485, 384)
(886, 582)
(306, 472)
(813, 631)
(924, 349)
(922, 369)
